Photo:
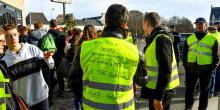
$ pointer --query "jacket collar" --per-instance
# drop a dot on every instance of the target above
(117, 32)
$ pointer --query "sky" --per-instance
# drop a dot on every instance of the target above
(191, 9)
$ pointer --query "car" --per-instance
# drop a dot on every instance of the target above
(183, 37)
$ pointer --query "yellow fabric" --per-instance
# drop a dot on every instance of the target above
(202, 59)
(129, 39)
(2, 91)
(111, 61)
(151, 60)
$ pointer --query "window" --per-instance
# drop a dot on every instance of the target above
(1, 19)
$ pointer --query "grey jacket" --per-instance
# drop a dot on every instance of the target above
(35, 36)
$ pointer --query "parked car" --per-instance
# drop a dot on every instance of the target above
(183, 37)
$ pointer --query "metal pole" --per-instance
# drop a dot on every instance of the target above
(64, 12)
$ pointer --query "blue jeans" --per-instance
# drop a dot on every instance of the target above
(44, 105)
(77, 103)
(217, 80)
(212, 88)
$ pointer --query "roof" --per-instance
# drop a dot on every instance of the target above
(97, 17)
(216, 12)
(34, 16)
(84, 22)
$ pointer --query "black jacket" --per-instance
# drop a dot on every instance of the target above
(199, 68)
(59, 39)
(76, 72)
(164, 57)
(23, 38)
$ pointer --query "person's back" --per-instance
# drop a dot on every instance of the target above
(36, 35)
(108, 64)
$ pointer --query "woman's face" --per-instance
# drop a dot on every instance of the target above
(78, 37)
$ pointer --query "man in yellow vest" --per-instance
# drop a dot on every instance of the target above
(103, 69)
(161, 64)
(128, 38)
(200, 58)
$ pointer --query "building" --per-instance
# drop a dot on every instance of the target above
(60, 18)
(37, 16)
(12, 11)
(214, 15)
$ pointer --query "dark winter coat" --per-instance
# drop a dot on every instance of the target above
(164, 57)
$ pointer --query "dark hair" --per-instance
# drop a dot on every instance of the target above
(53, 23)
(38, 25)
(116, 15)
(99, 31)
(153, 18)
(70, 33)
(2, 31)
(22, 29)
(9, 26)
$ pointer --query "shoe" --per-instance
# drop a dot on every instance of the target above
(210, 95)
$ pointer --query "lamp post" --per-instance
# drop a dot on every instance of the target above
(51, 13)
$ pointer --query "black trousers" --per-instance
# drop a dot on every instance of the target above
(166, 103)
(205, 83)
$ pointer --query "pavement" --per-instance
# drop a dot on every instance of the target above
(67, 101)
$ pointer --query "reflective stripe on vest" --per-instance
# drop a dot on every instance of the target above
(108, 65)
(153, 66)
(107, 106)
(105, 86)
(200, 51)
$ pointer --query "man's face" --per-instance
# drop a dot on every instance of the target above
(12, 38)
(145, 27)
(201, 27)
(2, 43)
(217, 26)
(172, 29)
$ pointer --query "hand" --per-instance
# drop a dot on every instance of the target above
(48, 54)
(158, 105)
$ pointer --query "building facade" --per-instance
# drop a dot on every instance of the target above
(214, 15)
(12, 11)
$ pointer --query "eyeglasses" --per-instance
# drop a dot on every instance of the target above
(11, 35)
(2, 41)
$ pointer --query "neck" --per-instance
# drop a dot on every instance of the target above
(150, 30)
(15, 49)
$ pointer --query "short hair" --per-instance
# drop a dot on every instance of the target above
(53, 23)
(9, 26)
(22, 29)
(153, 18)
(2, 31)
(116, 15)
(38, 25)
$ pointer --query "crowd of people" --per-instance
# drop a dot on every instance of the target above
(105, 62)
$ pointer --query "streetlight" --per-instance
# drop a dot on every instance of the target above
(51, 13)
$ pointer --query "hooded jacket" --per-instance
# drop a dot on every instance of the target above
(35, 36)
(26, 74)
(164, 57)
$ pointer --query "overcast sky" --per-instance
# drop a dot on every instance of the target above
(191, 9)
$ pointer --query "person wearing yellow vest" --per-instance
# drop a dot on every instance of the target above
(128, 38)
(7, 102)
(108, 65)
(215, 82)
(161, 64)
(200, 58)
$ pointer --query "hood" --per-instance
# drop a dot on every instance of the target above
(55, 32)
(37, 34)
(159, 30)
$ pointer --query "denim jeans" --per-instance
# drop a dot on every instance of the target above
(44, 105)
(213, 83)
(77, 103)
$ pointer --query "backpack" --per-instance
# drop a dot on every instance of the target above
(47, 43)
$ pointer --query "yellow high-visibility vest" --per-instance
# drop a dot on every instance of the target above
(153, 66)
(108, 65)
(200, 51)
(3, 95)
